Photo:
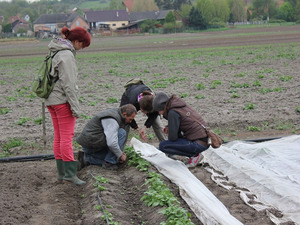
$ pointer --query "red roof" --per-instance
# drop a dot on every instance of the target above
(128, 4)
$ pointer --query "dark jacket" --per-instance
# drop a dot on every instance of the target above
(189, 128)
(93, 135)
(130, 96)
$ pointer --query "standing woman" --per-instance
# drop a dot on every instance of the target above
(63, 103)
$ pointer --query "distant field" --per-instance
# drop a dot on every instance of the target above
(96, 5)
(242, 81)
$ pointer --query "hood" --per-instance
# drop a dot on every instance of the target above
(177, 102)
(58, 44)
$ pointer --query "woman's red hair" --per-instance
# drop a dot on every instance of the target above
(77, 34)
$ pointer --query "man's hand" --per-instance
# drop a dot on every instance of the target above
(123, 157)
(142, 133)
(165, 130)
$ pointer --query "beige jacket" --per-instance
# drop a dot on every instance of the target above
(64, 66)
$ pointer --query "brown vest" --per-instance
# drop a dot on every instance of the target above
(191, 128)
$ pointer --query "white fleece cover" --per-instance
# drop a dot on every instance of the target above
(270, 170)
(204, 204)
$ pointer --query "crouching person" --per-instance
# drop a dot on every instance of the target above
(104, 136)
(186, 136)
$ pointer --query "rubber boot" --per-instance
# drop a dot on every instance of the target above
(60, 170)
(70, 173)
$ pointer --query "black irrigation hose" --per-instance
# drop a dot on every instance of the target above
(99, 198)
(51, 156)
(258, 140)
(27, 158)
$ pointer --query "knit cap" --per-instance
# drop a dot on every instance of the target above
(160, 100)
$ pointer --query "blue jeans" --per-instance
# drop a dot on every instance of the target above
(182, 147)
(97, 156)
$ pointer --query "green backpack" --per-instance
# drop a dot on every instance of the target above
(44, 83)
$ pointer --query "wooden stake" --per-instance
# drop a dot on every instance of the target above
(44, 125)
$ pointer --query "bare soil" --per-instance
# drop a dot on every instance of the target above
(30, 193)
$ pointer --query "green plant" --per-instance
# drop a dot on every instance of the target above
(176, 215)
(23, 120)
(109, 217)
(111, 100)
(235, 95)
(215, 83)
(257, 83)
(199, 96)
(9, 144)
(38, 120)
(4, 111)
(136, 160)
(86, 117)
(200, 86)
(298, 109)
(100, 180)
(285, 78)
(158, 194)
(93, 103)
(249, 106)
(254, 128)
(243, 74)
(184, 95)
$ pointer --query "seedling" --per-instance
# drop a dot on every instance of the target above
(257, 83)
(200, 86)
(254, 128)
(249, 106)
(93, 103)
(285, 78)
(38, 120)
(215, 83)
(184, 95)
(199, 96)
(235, 95)
(11, 143)
(23, 120)
(4, 111)
(86, 117)
(111, 100)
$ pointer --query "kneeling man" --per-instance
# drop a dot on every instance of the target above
(104, 136)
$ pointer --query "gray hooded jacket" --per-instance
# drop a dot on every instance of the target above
(64, 66)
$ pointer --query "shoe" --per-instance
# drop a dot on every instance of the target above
(183, 159)
(109, 166)
(194, 161)
(81, 161)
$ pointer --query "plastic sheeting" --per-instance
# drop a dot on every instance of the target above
(204, 204)
(270, 170)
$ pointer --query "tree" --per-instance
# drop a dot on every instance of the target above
(144, 6)
(264, 7)
(171, 4)
(148, 25)
(237, 11)
(206, 8)
(196, 19)
(297, 10)
(185, 12)
(170, 18)
(116, 4)
(221, 10)
(286, 12)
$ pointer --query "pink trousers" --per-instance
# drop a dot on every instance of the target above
(64, 125)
